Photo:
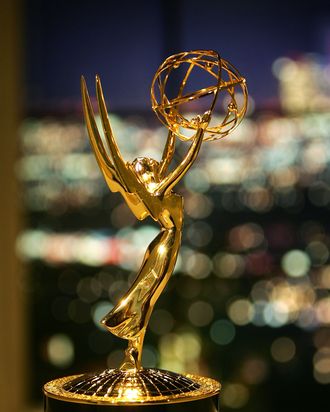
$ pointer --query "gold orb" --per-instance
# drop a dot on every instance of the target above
(192, 84)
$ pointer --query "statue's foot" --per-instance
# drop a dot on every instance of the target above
(123, 327)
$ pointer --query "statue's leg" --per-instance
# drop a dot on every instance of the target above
(133, 353)
(129, 318)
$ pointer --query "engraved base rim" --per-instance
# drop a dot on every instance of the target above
(133, 388)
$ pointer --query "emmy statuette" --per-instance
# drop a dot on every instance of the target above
(147, 187)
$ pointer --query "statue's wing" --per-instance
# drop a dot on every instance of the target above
(113, 178)
(117, 174)
(120, 165)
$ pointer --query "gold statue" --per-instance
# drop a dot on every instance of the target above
(147, 187)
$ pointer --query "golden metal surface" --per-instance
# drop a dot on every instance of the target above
(118, 387)
(146, 185)
(226, 85)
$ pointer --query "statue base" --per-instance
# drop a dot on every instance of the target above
(129, 391)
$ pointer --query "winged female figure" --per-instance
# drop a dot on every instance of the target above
(147, 187)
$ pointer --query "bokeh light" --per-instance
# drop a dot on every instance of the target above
(222, 332)
(235, 395)
(250, 290)
(241, 311)
(283, 349)
(296, 263)
(60, 350)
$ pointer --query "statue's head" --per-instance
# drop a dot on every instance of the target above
(147, 171)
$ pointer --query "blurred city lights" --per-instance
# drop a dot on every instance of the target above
(235, 395)
(60, 350)
(321, 362)
(200, 313)
(177, 351)
(250, 257)
(222, 332)
(228, 265)
(283, 349)
(254, 370)
(296, 263)
(241, 311)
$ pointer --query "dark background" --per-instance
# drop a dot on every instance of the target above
(125, 42)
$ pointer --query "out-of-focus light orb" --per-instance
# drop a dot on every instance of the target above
(200, 313)
(254, 370)
(30, 244)
(325, 277)
(92, 250)
(306, 319)
(259, 313)
(246, 236)
(280, 65)
(251, 106)
(60, 350)
(161, 322)
(180, 351)
(99, 310)
(198, 206)
(241, 312)
(197, 180)
(258, 199)
(228, 265)
(276, 314)
(321, 363)
(198, 265)
(191, 343)
(260, 291)
(311, 230)
(283, 349)
(235, 395)
(222, 332)
(296, 263)
(318, 252)
(322, 309)
(315, 157)
(322, 338)
(319, 193)
(225, 171)
(199, 234)
(284, 178)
